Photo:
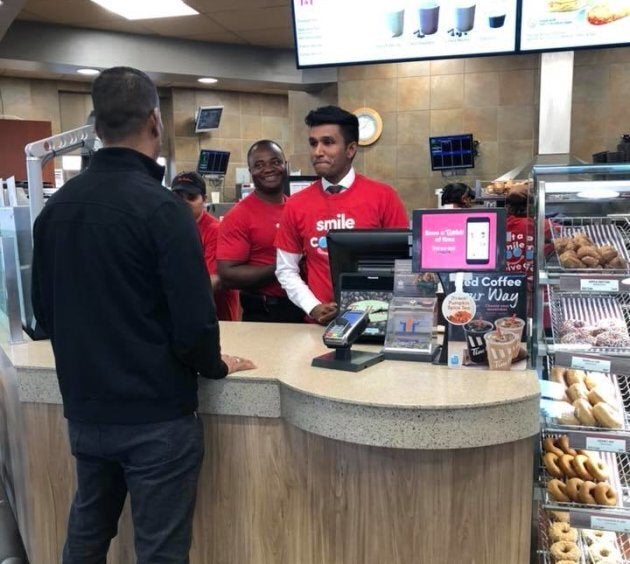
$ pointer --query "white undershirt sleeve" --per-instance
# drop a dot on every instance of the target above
(288, 274)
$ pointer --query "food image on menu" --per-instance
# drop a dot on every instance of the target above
(564, 5)
(607, 12)
(458, 308)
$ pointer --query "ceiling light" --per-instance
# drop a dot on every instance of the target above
(598, 194)
(207, 80)
(89, 72)
(147, 9)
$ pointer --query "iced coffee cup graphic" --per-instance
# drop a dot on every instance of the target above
(499, 347)
(464, 16)
(395, 22)
(496, 19)
(475, 332)
(428, 17)
(514, 325)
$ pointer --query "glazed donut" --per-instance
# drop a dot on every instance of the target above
(597, 469)
(607, 416)
(584, 412)
(558, 490)
(550, 460)
(604, 494)
(574, 376)
(564, 463)
(573, 491)
(562, 532)
(579, 465)
(577, 391)
(563, 443)
(549, 446)
(598, 394)
(586, 493)
(565, 550)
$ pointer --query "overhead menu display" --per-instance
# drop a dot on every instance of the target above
(568, 24)
(334, 32)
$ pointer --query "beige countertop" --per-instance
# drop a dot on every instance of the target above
(393, 403)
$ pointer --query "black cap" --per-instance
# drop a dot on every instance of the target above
(190, 182)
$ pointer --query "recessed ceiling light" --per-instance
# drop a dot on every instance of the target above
(598, 194)
(89, 72)
(147, 9)
(207, 80)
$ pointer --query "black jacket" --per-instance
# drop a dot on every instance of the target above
(120, 285)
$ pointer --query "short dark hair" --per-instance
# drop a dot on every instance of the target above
(518, 201)
(123, 98)
(347, 122)
(454, 192)
(264, 143)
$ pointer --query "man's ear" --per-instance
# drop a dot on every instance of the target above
(351, 149)
(155, 122)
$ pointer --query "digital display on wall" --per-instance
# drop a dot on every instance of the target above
(336, 32)
(458, 240)
(567, 24)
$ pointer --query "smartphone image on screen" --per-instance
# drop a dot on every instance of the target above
(477, 240)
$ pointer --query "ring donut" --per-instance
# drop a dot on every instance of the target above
(604, 494)
(579, 465)
(550, 460)
(586, 493)
(573, 491)
(604, 552)
(597, 469)
(563, 443)
(565, 550)
(562, 532)
(584, 412)
(558, 490)
(565, 464)
(549, 446)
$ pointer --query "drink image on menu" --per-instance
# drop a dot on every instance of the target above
(464, 16)
(477, 240)
(475, 332)
(514, 325)
(500, 347)
(395, 22)
(429, 18)
(496, 19)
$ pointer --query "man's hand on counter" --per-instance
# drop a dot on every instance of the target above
(237, 363)
(323, 313)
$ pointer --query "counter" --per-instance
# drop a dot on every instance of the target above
(403, 462)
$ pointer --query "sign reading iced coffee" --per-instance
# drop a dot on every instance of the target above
(332, 32)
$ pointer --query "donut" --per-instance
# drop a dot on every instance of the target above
(550, 460)
(594, 379)
(570, 325)
(564, 463)
(598, 394)
(584, 412)
(568, 418)
(585, 494)
(604, 552)
(607, 416)
(565, 550)
(549, 446)
(574, 376)
(597, 469)
(609, 323)
(558, 490)
(611, 339)
(567, 562)
(562, 532)
(573, 491)
(577, 391)
(593, 536)
(579, 466)
(604, 494)
(563, 443)
(557, 374)
(561, 516)
(579, 337)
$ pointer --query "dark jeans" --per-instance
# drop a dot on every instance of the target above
(270, 309)
(158, 464)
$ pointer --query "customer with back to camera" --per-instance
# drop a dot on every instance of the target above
(191, 187)
(120, 285)
(246, 253)
(340, 199)
(457, 195)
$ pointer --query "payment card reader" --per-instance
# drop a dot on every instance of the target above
(340, 334)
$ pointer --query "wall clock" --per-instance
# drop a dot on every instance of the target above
(370, 125)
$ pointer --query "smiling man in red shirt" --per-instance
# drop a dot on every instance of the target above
(340, 199)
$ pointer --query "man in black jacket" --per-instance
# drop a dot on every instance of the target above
(120, 285)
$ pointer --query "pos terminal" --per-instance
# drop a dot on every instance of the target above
(340, 334)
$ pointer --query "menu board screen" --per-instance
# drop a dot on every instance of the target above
(568, 24)
(335, 32)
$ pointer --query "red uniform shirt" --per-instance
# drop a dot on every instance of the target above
(247, 234)
(309, 214)
(520, 245)
(227, 302)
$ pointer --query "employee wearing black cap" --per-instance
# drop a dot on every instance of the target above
(191, 187)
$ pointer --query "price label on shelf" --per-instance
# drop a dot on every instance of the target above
(610, 524)
(587, 363)
(606, 445)
(599, 285)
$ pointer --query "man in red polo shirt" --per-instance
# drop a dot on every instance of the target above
(245, 252)
(191, 187)
(340, 199)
